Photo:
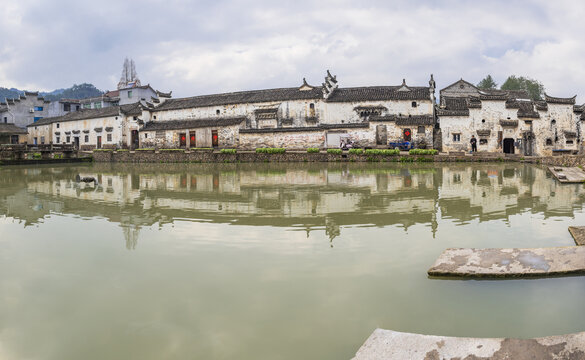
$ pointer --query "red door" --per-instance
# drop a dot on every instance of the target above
(192, 140)
(99, 142)
(214, 139)
(182, 139)
(407, 134)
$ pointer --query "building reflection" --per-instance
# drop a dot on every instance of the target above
(307, 197)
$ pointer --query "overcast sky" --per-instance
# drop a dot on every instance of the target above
(201, 47)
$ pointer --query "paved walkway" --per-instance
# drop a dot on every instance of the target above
(389, 345)
(567, 174)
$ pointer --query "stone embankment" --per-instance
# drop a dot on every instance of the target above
(390, 345)
(211, 156)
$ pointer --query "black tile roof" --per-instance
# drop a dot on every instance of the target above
(190, 124)
(454, 106)
(526, 110)
(308, 128)
(129, 109)
(405, 120)
(372, 93)
(10, 128)
(557, 100)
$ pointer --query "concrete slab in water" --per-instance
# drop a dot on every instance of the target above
(389, 345)
(567, 174)
(578, 233)
(502, 263)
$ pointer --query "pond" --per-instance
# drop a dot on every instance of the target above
(271, 261)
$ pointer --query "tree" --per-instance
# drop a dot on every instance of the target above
(534, 88)
(487, 83)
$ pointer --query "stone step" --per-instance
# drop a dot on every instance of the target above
(510, 263)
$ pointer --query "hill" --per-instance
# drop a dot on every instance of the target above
(80, 91)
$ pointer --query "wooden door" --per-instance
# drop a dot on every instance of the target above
(99, 142)
(407, 134)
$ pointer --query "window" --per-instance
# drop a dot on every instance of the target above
(42, 139)
(109, 137)
(35, 141)
(483, 121)
(569, 142)
(413, 104)
(528, 122)
(182, 139)
(68, 139)
(66, 107)
(97, 105)
(146, 136)
(135, 118)
(57, 126)
(482, 141)
(553, 122)
(86, 138)
(461, 86)
(58, 140)
(311, 110)
(154, 117)
(76, 107)
(192, 142)
(129, 94)
(37, 118)
(421, 130)
(217, 112)
(87, 106)
(456, 137)
(38, 108)
(548, 142)
(5, 119)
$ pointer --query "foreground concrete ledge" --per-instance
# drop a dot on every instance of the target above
(511, 263)
(578, 234)
(388, 345)
(567, 174)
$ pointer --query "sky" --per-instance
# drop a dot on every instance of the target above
(204, 47)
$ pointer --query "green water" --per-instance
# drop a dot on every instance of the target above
(272, 261)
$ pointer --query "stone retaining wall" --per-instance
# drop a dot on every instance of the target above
(180, 156)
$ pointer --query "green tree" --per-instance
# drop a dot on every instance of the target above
(534, 88)
(487, 83)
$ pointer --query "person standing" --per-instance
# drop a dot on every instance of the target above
(473, 142)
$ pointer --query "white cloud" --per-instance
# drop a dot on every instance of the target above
(198, 48)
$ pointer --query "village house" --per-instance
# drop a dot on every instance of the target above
(26, 109)
(87, 129)
(507, 121)
(298, 117)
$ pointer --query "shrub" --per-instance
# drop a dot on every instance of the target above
(312, 150)
(36, 156)
(423, 152)
(356, 151)
(57, 156)
(385, 152)
(123, 150)
(334, 151)
(228, 151)
(270, 151)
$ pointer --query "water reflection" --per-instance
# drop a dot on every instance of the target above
(304, 197)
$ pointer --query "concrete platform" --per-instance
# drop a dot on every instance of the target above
(510, 263)
(567, 174)
(578, 233)
(389, 345)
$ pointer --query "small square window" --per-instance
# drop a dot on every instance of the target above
(68, 139)
(57, 126)
(58, 140)
(456, 137)
(86, 138)
(109, 137)
(482, 141)
(413, 104)
(421, 129)
(129, 94)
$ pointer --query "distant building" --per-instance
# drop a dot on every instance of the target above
(24, 110)
(12, 134)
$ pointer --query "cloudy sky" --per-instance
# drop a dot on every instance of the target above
(199, 47)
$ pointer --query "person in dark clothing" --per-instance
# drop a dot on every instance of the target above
(473, 142)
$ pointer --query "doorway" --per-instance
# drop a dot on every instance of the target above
(76, 142)
(182, 140)
(99, 142)
(134, 139)
(407, 135)
(508, 146)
